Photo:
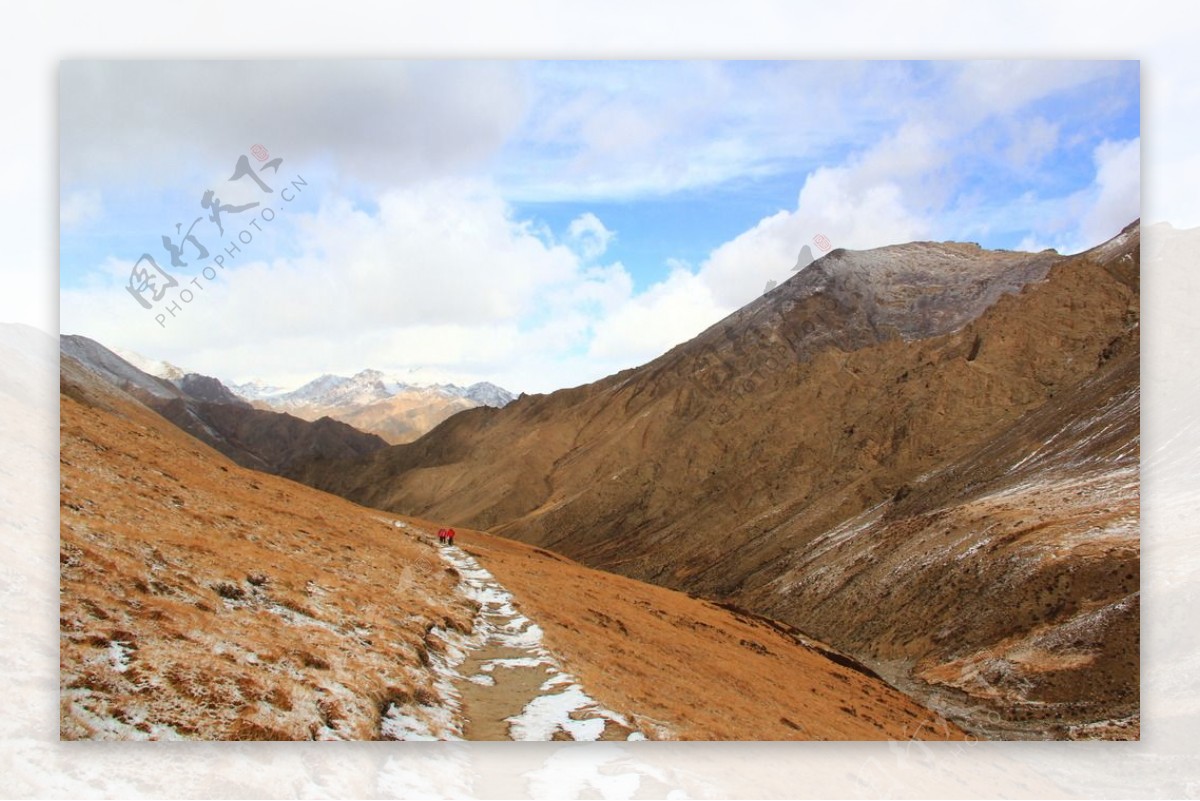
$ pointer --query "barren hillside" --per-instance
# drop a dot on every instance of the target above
(203, 600)
(400, 418)
(877, 452)
(270, 441)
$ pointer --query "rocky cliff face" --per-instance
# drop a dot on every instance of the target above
(857, 453)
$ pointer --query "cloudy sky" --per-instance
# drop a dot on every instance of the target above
(541, 224)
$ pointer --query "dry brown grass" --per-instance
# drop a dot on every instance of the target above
(685, 668)
(203, 600)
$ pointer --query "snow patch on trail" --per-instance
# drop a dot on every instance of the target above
(560, 708)
(561, 705)
(546, 714)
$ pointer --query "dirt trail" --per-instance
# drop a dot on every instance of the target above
(511, 687)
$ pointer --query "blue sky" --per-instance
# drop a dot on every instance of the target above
(542, 224)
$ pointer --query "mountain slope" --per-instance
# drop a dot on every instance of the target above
(717, 466)
(209, 411)
(201, 600)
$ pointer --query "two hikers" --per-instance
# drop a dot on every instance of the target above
(446, 536)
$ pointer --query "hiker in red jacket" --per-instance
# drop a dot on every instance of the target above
(450, 536)
(442, 536)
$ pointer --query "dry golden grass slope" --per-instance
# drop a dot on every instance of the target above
(686, 668)
(203, 600)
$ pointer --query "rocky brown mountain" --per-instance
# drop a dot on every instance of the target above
(273, 442)
(924, 454)
(390, 406)
(202, 600)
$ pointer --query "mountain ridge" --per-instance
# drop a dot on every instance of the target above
(826, 397)
(203, 407)
(377, 403)
(395, 407)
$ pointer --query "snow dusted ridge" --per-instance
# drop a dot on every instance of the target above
(155, 367)
(256, 390)
(366, 387)
(560, 709)
(113, 369)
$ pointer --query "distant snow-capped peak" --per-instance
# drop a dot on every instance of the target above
(488, 394)
(367, 387)
(155, 367)
(256, 390)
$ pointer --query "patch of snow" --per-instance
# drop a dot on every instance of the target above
(256, 390)
(398, 726)
(546, 714)
(155, 367)
(118, 655)
(561, 705)
(107, 727)
(293, 617)
(482, 679)
(513, 662)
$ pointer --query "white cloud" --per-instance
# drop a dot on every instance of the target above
(589, 236)
(672, 311)
(1091, 215)
(993, 88)
(863, 204)
(380, 122)
(1031, 141)
(80, 207)
(440, 276)
(646, 129)
(638, 129)
(1115, 196)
